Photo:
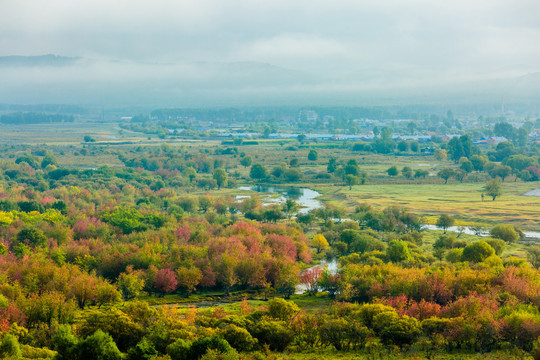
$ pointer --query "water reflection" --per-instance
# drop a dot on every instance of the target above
(306, 198)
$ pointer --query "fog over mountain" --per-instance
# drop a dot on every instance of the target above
(240, 52)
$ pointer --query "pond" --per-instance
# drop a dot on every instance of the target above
(306, 198)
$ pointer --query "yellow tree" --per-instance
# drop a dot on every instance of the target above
(319, 242)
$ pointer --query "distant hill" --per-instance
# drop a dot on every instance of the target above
(32, 61)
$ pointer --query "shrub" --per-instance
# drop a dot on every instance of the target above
(275, 334)
(477, 252)
(281, 309)
(238, 337)
(504, 232)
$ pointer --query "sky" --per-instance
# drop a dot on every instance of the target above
(339, 45)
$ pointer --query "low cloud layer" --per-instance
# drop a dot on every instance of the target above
(281, 47)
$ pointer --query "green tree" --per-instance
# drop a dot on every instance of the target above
(478, 162)
(258, 172)
(533, 255)
(99, 346)
(10, 348)
(220, 175)
(504, 232)
(332, 165)
(407, 172)
(397, 251)
(403, 146)
(501, 171)
(477, 252)
(246, 161)
(352, 180)
(493, 188)
(445, 221)
(466, 165)
(445, 174)
(130, 284)
(31, 236)
(313, 155)
(290, 207)
(392, 171)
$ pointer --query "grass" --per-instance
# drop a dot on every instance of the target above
(459, 199)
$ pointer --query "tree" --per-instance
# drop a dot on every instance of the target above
(319, 242)
(392, 171)
(460, 175)
(332, 165)
(504, 232)
(31, 236)
(501, 171)
(220, 175)
(165, 281)
(258, 172)
(246, 161)
(440, 154)
(312, 156)
(290, 207)
(445, 221)
(504, 129)
(493, 188)
(419, 173)
(445, 174)
(403, 146)
(477, 252)
(99, 346)
(397, 251)
(498, 245)
(188, 279)
(131, 284)
(352, 180)
(460, 147)
(466, 165)
(292, 175)
(407, 172)
(533, 255)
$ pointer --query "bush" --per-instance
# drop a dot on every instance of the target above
(275, 334)
(498, 245)
(144, 350)
(477, 252)
(505, 232)
(281, 309)
(179, 350)
(99, 346)
(10, 348)
(238, 337)
(200, 346)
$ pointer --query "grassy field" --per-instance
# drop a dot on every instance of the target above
(461, 200)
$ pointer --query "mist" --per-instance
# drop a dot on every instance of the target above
(212, 53)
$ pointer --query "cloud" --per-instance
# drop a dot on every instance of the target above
(343, 44)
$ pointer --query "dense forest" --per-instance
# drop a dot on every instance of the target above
(120, 246)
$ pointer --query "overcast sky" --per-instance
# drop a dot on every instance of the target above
(381, 39)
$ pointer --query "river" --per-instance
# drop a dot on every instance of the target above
(307, 199)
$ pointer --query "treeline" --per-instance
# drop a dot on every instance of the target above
(34, 118)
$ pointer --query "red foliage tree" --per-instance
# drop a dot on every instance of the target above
(165, 281)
